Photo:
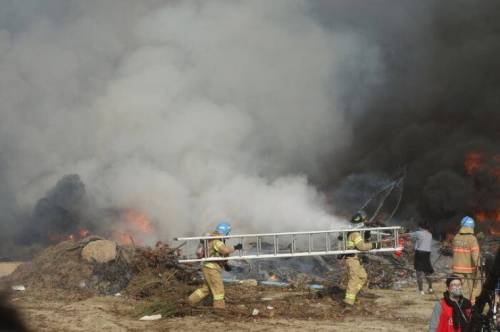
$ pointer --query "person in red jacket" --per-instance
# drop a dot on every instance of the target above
(453, 312)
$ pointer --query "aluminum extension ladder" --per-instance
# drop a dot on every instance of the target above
(293, 244)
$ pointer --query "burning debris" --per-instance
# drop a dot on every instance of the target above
(98, 266)
(67, 212)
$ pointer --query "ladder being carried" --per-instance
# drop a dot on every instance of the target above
(294, 244)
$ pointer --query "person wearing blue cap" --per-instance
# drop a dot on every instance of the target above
(466, 255)
(212, 269)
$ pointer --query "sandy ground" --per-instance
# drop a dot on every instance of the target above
(397, 311)
(7, 268)
(403, 310)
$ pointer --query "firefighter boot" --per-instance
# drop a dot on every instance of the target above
(219, 304)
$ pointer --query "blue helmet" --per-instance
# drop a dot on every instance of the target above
(223, 228)
(467, 222)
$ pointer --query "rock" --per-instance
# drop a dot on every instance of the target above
(101, 251)
(152, 317)
(249, 282)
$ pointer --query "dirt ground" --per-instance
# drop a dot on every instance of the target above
(7, 268)
(384, 310)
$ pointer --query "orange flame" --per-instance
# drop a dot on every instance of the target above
(137, 221)
(480, 216)
(490, 219)
(131, 225)
(78, 235)
(473, 162)
(274, 277)
(83, 232)
(122, 238)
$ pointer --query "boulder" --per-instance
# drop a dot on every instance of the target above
(101, 251)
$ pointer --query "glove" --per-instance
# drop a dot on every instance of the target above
(228, 267)
(368, 235)
(239, 246)
(375, 245)
(340, 238)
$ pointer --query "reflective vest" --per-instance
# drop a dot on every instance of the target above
(446, 318)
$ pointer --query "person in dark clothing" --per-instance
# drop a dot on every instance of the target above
(422, 264)
(453, 312)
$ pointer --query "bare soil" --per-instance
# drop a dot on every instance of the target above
(61, 295)
(384, 310)
(7, 268)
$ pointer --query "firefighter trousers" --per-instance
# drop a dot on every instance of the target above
(357, 278)
(470, 287)
(212, 285)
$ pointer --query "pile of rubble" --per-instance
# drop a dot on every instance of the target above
(98, 266)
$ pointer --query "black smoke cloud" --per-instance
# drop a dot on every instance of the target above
(437, 100)
(61, 212)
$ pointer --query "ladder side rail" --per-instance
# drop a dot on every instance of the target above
(283, 234)
(284, 255)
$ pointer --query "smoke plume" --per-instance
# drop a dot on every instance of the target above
(190, 112)
(272, 115)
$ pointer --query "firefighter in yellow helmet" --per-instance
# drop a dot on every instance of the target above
(212, 270)
(357, 276)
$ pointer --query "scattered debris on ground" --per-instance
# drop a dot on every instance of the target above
(151, 280)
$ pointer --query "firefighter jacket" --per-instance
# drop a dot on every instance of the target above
(216, 248)
(465, 251)
(355, 241)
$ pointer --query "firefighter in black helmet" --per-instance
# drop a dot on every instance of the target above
(357, 276)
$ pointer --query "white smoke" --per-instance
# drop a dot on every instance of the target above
(189, 111)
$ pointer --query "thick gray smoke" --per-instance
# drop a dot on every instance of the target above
(438, 101)
(190, 112)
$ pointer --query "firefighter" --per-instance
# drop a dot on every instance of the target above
(212, 270)
(357, 276)
(466, 255)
